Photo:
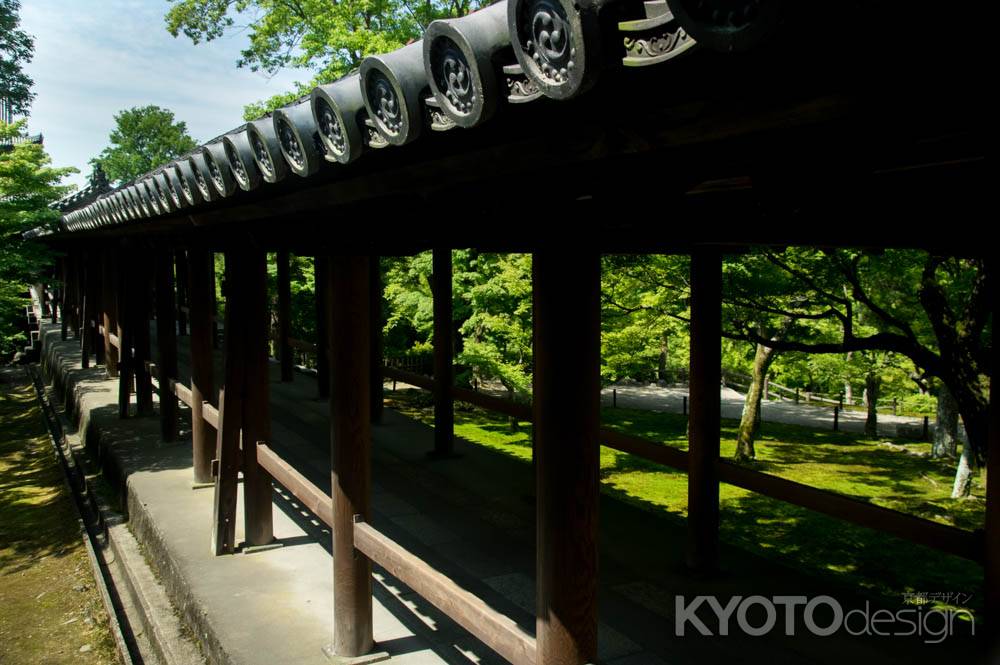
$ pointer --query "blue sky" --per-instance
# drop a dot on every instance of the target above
(94, 58)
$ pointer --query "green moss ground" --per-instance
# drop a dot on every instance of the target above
(49, 605)
(864, 469)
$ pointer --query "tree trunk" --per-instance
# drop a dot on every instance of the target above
(750, 419)
(511, 420)
(873, 384)
(661, 370)
(946, 427)
(963, 475)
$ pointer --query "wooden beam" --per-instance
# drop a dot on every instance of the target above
(166, 343)
(444, 370)
(498, 632)
(284, 316)
(567, 389)
(321, 279)
(350, 439)
(201, 274)
(703, 424)
(257, 500)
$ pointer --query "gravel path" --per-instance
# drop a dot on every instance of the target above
(669, 399)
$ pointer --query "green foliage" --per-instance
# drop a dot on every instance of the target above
(28, 183)
(491, 300)
(16, 50)
(644, 317)
(143, 138)
(328, 39)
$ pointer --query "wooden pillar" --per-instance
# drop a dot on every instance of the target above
(321, 269)
(87, 330)
(257, 500)
(444, 371)
(201, 274)
(992, 526)
(182, 294)
(66, 265)
(110, 315)
(166, 343)
(350, 436)
(376, 349)
(567, 347)
(142, 289)
(125, 306)
(703, 424)
(284, 316)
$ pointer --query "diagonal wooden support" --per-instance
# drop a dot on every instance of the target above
(230, 420)
(244, 412)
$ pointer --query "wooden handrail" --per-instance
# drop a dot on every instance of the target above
(412, 378)
(938, 536)
(646, 449)
(509, 407)
(209, 413)
(495, 630)
(302, 345)
(311, 496)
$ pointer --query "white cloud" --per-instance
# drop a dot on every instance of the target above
(93, 59)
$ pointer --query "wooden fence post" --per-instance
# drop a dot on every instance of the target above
(201, 276)
(703, 423)
(444, 370)
(566, 405)
(350, 437)
(284, 315)
(166, 343)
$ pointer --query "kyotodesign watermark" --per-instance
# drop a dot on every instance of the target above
(821, 616)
